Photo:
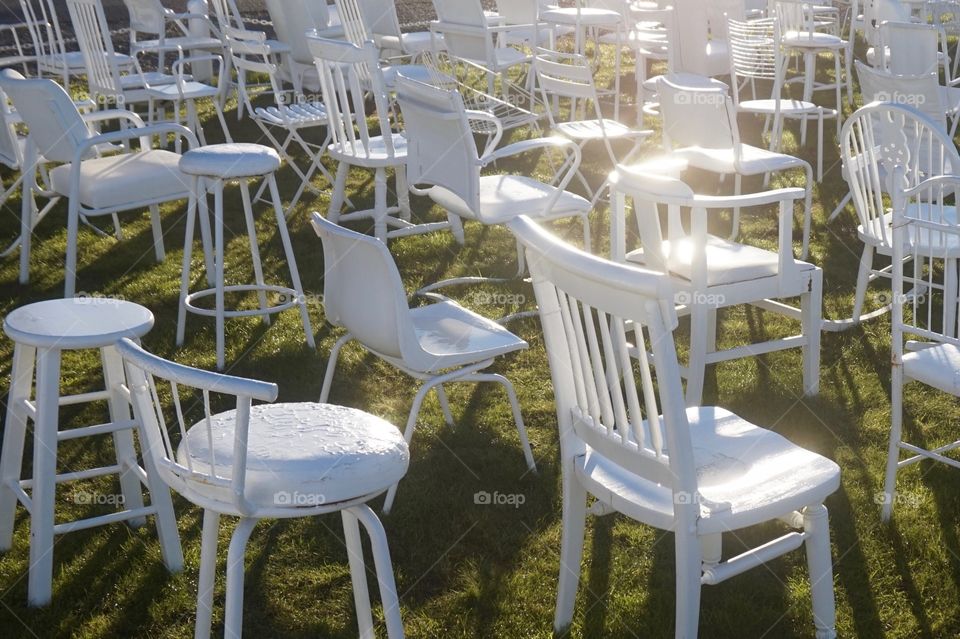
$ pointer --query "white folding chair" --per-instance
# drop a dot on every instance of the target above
(699, 472)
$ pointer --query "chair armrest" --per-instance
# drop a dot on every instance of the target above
(486, 116)
(113, 114)
(142, 132)
(748, 199)
(549, 142)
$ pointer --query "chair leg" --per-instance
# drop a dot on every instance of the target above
(863, 279)
(70, 262)
(158, 250)
(291, 260)
(735, 225)
(185, 264)
(515, 406)
(339, 188)
(403, 191)
(332, 367)
(571, 548)
(254, 248)
(380, 204)
(896, 434)
(358, 574)
(233, 614)
(807, 210)
(218, 266)
(14, 434)
(208, 569)
(811, 311)
(950, 297)
(384, 568)
(699, 320)
(29, 171)
(206, 235)
(816, 525)
(444, 405)
(689, 571)
(119, 410)
(408, 433)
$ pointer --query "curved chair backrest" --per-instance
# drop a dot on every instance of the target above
(441, 150)
(93, 36)
(882, 142)
(293, 18)
(921, 92)
(696, 116)
(198, 462)
(146, 16)
(56, 127)
(11, 153)
(347, 72)
(691, 35)
(590, 310)
(754, 52)
(363, 292)
(913, 48)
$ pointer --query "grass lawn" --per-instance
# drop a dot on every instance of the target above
(470, 570)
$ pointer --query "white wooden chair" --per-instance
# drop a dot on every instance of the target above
(95, 184)
(699, 472)
(700, 127)
(924, 336)
(710, 273)
(275, 461)
(348, 74)
(441, 343)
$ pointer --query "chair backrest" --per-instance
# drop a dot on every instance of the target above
(363, 292)
(568, 78)
(876, 12)
(755, 54)
(293, 18)
(691, 35)
(44, 26)
(921, 92)
(520, 11)
(356, 29)
(146, 16)
(227, 14)
(464, 29)
(93, 37)
(347, 72)
(195, 396)
(592, 311)
(883, 144)
(11, 153)
(696, 116)
(55, 125)
(913, 48)
(720, 11)
(795, 16)
(441, 150)
(250, 53)
(381, 17)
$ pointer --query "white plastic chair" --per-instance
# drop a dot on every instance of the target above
(567, 86)
(441, 343)
(700, 127)
(444, 164)
(95, 184)
(756, 55)
(292, 20)
(924, 336)
(274, 461)
(151, 18)
(699, 472)
(347, 73)
(876, 140)
(709, 273)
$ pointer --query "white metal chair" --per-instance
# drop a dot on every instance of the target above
(441, 343)
(443, 163)
(924, 309)
(151, 18)
(347, 73)
(292, 113)
(700, 126)
(567, 86)
(274, 461)
(292, 21)
(756, 55)
(387, 34)
(875, 141)
(709, 273)
(17, 55)
(699, 472)
(95, 184)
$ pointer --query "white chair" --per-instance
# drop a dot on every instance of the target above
(875, 13)
(911, 48)
(444, 164)
(799, 34)
(699, 472)
(755, 55)
(292, 20)
(95, 184)
(347, 73)
(265, 461)
(441, 343)
(924, 336)
(710, 273)
(292, 113)
(700, 127)
(151, 18)
(16, 53)
(922, 92)
(876, 140)
(696, 52)
(384, 24)
(567, 86)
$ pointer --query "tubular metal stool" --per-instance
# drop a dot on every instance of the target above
(210, 167)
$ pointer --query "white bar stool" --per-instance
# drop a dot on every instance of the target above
(40, 332)
(211, 167)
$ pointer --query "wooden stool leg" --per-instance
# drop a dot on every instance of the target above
(11, 461)
(122, 439)
(291, 259)
(40, 579)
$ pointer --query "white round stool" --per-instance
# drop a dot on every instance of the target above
(40, 332)
(210, 167)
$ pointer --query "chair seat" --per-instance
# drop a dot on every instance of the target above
(112, 181)
(586, 16)
(506, 57)
(74, 60)
(232, 160)
(883, 227)
(410, 43)
(727, 262)
(504, 197)
(745, 475)
(374, 154)
(297, 115)
(933, 364)
(184, 42)
(787, 107)
(753, 160)
(815, 40)
(417, 72)
(299, 455)
(190, 90)
(598, 129)
(139, 81)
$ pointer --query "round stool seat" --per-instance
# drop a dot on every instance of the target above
(228, 161)
(77, 322)
(300, 455)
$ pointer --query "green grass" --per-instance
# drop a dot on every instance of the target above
(466, 570)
